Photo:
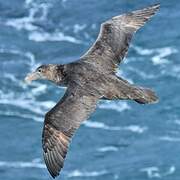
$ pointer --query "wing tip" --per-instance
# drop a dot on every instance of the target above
(141, 16)
(50, 166)
(152, 8)
(156, 5)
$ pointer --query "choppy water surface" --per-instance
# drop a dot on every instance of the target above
(122, 140)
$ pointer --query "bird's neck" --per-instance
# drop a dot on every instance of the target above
(59, 75)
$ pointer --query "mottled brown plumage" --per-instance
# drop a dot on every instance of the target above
(87, 80)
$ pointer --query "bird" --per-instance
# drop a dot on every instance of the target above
(91, 78)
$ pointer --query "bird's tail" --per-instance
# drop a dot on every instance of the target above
(123, 90)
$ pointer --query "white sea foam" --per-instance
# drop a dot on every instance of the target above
(26, 101)
(36, 33)
(29, 105)
(38, 12)
(159, 55)
(21, 115)
(78, 173)
(152, 172)
(173, 71)
(28, 2)
(136, 129)
(38, 90)
(38, 108)
(36, 163)
(177, 121)
(77, 28)
(26, 23)
(64, 1)
(30, 56)
(10, 77)
(155, 172)
(169, 138)
(23, 23)
(22, 164)
(143, 51)
(47, 104)
(40, 36)
(170, 171)
(107, 149)
(162, 55)
(101, 125)
(114, 105)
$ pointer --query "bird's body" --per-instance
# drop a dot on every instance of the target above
(89, 79)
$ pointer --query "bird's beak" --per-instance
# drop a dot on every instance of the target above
(31, 77)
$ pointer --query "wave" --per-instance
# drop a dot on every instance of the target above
(28, 2)
(78, 173)
(158, 55)
(177, 121)
(143, 51)
(155, 172)
(40, 36)
(64, 1)
(37, 164)
(21, 24)
(107, 149)
(22, 164)
(162, 54)
(100, 125)
(28, 55)
(136, 129)
(78, 28)
(114, 105)
(21, 115)
(26, 100)
(26, 58)
(169, 138)
(38, 108)
(173, 71)
(37, 12)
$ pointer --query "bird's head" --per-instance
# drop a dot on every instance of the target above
(47, 72)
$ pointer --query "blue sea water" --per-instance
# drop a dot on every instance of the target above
(122, 140)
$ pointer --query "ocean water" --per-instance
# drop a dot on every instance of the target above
(122, 140)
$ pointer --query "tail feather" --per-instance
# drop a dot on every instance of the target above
(123, 90)
(146, 96)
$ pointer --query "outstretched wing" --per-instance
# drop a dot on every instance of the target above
(114, 38)
(60, 124)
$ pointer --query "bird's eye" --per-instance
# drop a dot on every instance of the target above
(40, 70)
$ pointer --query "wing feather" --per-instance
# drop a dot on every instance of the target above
(114, 38)
(60, 124)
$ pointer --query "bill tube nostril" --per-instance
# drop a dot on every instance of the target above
(30, 77)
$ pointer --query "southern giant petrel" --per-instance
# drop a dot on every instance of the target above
(91, 78)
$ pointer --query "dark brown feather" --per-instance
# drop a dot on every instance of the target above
(88, 80)
(114, 38)
(60, 125)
